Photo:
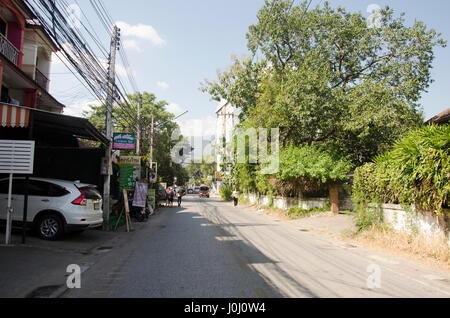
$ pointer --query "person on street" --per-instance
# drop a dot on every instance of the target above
(171, 195)
(179, 196)
(167, 197)
(235, 197)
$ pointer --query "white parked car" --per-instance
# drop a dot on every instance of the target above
(54, 206)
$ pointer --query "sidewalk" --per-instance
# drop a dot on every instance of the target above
(37, 269)
(324, 223)
(327, 223)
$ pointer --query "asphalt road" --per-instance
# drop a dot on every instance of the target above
(209, 249)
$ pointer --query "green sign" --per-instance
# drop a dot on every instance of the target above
(130, 170)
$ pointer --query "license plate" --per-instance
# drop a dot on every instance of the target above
(96, 206)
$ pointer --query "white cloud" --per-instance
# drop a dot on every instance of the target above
(174, 109)
(162, 85)
(77, 109)
(132, 45)
(141, 31)
(198, 127)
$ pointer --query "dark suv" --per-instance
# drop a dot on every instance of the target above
(203, 192)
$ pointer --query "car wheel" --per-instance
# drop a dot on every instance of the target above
(50, 227)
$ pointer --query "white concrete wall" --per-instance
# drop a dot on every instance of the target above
(413, 221)
(284, 203)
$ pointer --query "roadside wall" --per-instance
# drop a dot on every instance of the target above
(286, 203)
(415, 221)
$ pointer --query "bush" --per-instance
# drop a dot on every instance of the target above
(226, 193)
(416, 171)
(297, 212)
(368, 218)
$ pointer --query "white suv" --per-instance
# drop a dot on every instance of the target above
(54, 206)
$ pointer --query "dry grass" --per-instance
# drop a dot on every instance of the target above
(431, 249)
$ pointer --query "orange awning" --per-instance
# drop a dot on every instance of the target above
(14, 116)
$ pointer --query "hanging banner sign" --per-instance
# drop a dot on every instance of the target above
(140, 195)
(124, 141)
(130, 168)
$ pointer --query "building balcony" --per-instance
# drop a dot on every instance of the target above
(42, 80)
(9, 50)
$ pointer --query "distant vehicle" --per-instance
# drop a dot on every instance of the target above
(204, 191)
(190, 191)
(54, 206)
(196, 190)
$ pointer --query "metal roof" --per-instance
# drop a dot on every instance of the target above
(441, 118)
(67, 125)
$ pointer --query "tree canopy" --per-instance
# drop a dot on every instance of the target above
(325, 77)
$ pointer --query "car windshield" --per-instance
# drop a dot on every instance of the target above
(204, 189)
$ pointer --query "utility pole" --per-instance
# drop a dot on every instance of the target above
(109, 130)
(138, 124)
(151, 141)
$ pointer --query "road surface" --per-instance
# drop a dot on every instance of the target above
(209, 249)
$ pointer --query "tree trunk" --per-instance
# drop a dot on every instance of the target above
(334, 198)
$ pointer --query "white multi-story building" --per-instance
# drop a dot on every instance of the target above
(227, 119)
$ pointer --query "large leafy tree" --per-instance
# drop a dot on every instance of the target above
(324, 76)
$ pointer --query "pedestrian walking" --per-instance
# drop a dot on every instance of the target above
(171, 195)
(235, 197)
(179, 196)
(167, 197)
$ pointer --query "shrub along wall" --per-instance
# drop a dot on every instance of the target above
(416, 172)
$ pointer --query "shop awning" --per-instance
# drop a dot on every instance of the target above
(67, 125)
(14, 116)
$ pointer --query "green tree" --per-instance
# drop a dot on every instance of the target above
(125, 119)
(325, 77)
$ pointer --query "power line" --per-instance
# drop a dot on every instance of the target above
(74, 47)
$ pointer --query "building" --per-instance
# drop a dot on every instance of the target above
(227, 119)
(440, 119)
(25, 58)
(29, 112)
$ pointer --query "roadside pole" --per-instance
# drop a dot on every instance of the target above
(9, 212)
(109, 108)
(138, 125)
(151, 140)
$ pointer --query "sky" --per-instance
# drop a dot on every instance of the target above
(174, 45)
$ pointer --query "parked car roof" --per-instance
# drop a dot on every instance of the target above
(65, 182)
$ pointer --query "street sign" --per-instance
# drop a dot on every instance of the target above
(16, 157)
(152, 177)
(124, 141)
(130, 167)
(151, 197)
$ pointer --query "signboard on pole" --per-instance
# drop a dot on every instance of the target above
(151, 197)
(152, 177)
(130, 168)
(124, 141)
(16, 157)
